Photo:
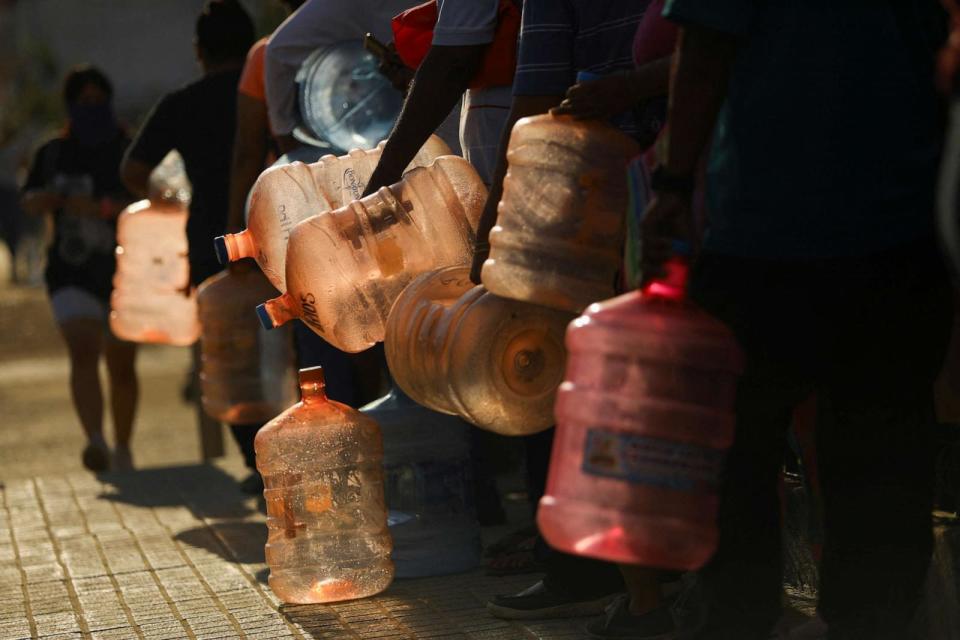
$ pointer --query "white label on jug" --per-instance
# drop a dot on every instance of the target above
(637, 459)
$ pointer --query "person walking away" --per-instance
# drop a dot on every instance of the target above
(820, 254)
(75, 177)
(199, 121)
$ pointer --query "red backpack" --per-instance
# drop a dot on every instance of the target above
(413, 35)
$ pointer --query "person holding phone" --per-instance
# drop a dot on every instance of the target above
(75, 178)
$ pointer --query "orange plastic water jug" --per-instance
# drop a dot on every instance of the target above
(457, 348)
(321, 463)
(285, 195)
(643, 421)
(560, 223)
(247, 374)
(346, 267)
(149, 302)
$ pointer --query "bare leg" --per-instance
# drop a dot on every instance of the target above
(643, 585)
(83, 338)
(124, 388)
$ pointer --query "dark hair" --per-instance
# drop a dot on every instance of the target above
(292, 5)
(79, 77)
(224, 31)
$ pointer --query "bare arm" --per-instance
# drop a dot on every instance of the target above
(698, 89)
(135, 175)
(522, 107)
(38, 202)
(438, 85)
(250, 145)
(616, 93)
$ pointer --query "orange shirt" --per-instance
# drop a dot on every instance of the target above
(252, 81)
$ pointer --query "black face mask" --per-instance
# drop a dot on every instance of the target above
(92, 124)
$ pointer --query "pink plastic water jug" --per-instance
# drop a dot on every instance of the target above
(285, 195)
(346, 267)
(643, 420)
(149, 301)
(560, 225)
(247, 374)
(322, 470)
(456, 348)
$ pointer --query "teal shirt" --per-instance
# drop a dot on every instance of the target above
(828, 144)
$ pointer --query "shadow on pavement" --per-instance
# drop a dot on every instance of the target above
(235, 541)
(210, 492)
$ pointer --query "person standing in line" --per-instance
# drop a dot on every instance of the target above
(199, 121)
(821, 256)
(75, 177)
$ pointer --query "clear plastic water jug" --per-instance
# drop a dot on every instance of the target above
(151, 301)
(247, 374)
(344, 99)
(644, 417)
(287, 194)
(346, 267)
(560, 224)
(323, 485)
(457, 348)
(428, 486)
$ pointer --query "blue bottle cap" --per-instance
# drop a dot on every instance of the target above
(586, 76)
(265, 320)
(220, 247)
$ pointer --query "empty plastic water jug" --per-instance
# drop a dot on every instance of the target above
(247, 374)
(560, 224)
(428, 486)
(150, 301)
(344, 99)
(457, 348)
(323, 485)
(287, 194)
(644, 418)
(346, 267)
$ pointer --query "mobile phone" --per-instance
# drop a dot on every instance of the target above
(377, 48)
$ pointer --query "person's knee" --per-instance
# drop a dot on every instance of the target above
(83, 344)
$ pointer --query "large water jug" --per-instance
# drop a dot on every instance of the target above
(346, 267)
(457, 348)
(247, 374)
(287, 194)
(560, 223)
(643, 421)
(428, 486)
(323, 485)
(151, 301)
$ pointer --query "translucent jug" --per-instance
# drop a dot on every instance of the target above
(560, 223)
(148, 303)
(247, 374)
(456, 348)
(284, 195)
(346, 267)
(643, 420)
(323, 485)
(428, 486)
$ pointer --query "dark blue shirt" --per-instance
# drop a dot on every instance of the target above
(829, 141)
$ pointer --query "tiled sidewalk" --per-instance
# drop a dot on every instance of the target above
(178, 553)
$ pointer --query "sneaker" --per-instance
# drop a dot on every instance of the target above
(540, 602)
(252, 484)
(618, 623)
(96, 456)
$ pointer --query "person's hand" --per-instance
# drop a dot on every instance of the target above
(481, 251)
(601, 98)
(668, 217)
(394, 69)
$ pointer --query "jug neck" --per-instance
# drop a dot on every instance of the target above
(313, 387)
(234, 246)
(673, 284)
(277, 311)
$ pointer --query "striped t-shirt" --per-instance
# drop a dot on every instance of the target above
(561, 37)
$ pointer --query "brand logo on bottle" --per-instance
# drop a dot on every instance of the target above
(308, 306)
(644, 460)
(352, 185)
(285, 222)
